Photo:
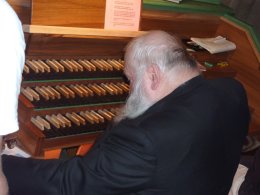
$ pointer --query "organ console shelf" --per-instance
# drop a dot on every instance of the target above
(77, 31)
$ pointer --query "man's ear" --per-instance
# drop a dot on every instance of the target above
(154, 74)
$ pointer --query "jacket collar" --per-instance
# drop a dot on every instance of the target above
(183, 89)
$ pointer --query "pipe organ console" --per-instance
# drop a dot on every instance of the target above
(73, 85)
(68, 102)
(69, 95)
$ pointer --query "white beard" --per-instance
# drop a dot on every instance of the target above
(136, 104)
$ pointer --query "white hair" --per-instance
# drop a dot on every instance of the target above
(154, 48)
(157, 48)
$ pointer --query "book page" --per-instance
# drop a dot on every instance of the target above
(123, 14)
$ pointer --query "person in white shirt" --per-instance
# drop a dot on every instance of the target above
(12, 57)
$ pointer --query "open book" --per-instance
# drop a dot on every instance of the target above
(215, 45)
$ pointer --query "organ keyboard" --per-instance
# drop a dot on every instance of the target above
(68, 102)
(69, 69)
(69, 95)
(73, 92)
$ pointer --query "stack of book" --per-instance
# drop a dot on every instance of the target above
(215, 45)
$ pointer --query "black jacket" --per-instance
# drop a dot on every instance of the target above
(188, 143)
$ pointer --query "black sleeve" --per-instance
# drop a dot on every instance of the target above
(32, 176)
(121, 161)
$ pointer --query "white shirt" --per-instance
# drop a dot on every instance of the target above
(12, 58)
(238, 179)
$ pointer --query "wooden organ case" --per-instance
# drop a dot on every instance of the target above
(74, 73)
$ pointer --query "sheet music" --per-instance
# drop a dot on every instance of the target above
(123, 15)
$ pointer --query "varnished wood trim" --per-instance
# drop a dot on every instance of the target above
(75, 31)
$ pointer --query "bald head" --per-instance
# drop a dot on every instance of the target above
(160, 48)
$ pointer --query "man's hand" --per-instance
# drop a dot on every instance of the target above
(3, 181)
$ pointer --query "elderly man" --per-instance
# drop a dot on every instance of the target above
(177, 134)
(12, 47)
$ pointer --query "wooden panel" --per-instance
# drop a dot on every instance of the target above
(77, 13)
(245, 60)
(52, 154)
(22, 9)
(41, 45)
(245, 49)
(80, 32)
(83, 149)
(184, 24)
